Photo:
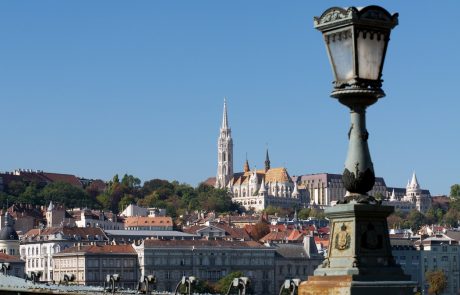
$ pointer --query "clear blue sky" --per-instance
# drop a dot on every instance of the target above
(96, 88)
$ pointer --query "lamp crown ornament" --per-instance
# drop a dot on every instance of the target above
(356, 40)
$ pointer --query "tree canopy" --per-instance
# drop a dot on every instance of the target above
(177, 198)
(437, 281)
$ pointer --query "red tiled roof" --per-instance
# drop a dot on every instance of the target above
(67, 231)
(100, 249)
(295, 235)
(211, 181)
(324, 242)
(8, 258)
(276, 236)
(67, 178)
(201, 244)
(141, 221)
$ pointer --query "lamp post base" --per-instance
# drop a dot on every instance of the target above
(359, 258)
(347, 285)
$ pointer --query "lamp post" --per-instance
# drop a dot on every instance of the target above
(111, 280)
(290, 285)
(145, 282)
(188, 282)
(356, 42)
(240, 283)
(4, 267)
(359, 258)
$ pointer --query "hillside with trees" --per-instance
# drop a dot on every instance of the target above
(177, 198)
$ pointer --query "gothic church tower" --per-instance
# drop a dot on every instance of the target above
(224, 152)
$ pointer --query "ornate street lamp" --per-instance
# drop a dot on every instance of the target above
(4, 267)
(187, 282)
(145, 282)
(356, 41)
(111, 280)
(290, 286)
(359, 258)
(240, 284)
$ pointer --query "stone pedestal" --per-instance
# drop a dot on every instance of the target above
(359, 259)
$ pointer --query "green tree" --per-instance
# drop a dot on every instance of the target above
(452, 217)
(130, 182)
(455, 191)
(437, 281)
(415, 220)
(66, 194)
(31, 195)
(223, 284)
(303, 213)
(431, 216)
(317, 213)
(125, 201)
(15, 188)
(104, 200)
(272, 210)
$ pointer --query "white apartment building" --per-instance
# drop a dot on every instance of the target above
(38, 246)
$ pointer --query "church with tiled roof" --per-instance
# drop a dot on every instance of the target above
(253, 189)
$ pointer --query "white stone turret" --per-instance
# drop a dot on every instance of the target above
(413, 188)
(263, 189)
(295, 192)
(393, 196)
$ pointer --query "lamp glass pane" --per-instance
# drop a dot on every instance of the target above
(370, 55)
(341, 54)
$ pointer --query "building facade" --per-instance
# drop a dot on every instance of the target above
(39, 245)
(158, 223)
(296, 260)
(208, 260)
(95, 218)
(92, 263)
(431, 254)
(325, 189)
(258, 189)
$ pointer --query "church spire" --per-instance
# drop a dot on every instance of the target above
(224, 115)
(246, 165)
(224, 152)
(267, 161)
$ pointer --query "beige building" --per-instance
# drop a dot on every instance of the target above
(38, 246)
(325, 189)
(91, 264)
(157, 223)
